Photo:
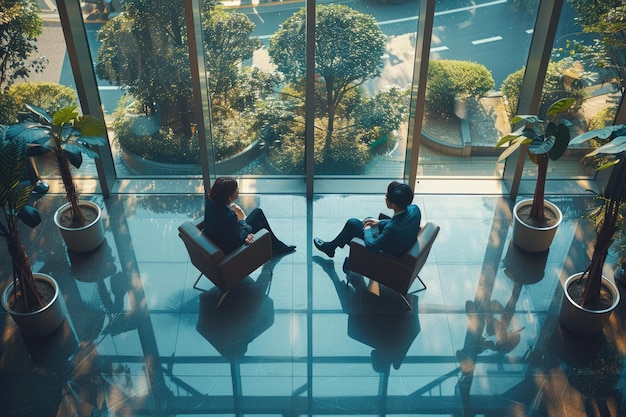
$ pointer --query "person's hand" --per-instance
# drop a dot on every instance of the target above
(370, 222)
(249, 239)
(241, 215)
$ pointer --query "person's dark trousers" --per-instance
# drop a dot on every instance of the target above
(352, 228)
(257, 221)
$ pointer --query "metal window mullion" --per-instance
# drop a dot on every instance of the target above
(309, 100)
(539, 55)
(201, 95)
(425, 24)
(71, 17)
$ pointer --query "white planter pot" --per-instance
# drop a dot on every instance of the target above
(42, 322)
(82, 239)
(530, 238)
(581, 320)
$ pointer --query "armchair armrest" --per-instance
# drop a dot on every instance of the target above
(246, 258)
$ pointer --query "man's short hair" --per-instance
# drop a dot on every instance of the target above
(399, 194)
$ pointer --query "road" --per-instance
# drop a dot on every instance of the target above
(489, 33)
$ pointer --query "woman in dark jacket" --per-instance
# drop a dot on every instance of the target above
(226, 224)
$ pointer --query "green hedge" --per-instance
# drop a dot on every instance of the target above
(450, 79)
(48, 96)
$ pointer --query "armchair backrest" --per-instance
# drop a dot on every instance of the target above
(418, 253)
(204, 254)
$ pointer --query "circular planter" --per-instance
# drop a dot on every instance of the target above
(234, 163)
(530, 238)
(42, 322)
(582, 320)
(82, 239)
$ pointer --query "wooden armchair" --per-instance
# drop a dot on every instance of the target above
(225, 271)
(397, 273)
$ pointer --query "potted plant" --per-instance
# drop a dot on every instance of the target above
(33, 300)
(68, 135)
(589, 298)
(537, 220)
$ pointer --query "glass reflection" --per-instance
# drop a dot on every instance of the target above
(471, 60)
(232, 327)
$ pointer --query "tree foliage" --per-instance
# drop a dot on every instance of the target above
(348, 51)
(154, 68)
(20, 25)
(607, 20)
(228, 42)
(377, 116)
(144, 50)
(559, 84)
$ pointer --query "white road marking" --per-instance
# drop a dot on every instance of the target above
(487, 40)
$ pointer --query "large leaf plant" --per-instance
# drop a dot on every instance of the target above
(614, 147)
(547, 140)
(14, 195)
(67, 134)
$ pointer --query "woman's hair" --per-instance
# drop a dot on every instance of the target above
(399, 194)
(222, 189)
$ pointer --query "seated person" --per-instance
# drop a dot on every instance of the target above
(393, 235)
(226, 224)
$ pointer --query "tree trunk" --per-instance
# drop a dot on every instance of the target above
(536, 211)
(604, 240)
(331, 113)
(71, 191)
(23, 281)
(185, 122)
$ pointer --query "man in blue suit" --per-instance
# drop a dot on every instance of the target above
(393, 235)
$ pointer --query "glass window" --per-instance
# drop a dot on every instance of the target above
(141, 60)
(477, 50)
(587, 64)
(35, 71)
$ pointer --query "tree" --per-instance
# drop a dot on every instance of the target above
(348, 51)
(557, 85)
(145, 50)
(20, 25)
(154, 68)
(228, 42)
(607, 20)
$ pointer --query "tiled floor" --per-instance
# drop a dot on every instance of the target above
(482, 340)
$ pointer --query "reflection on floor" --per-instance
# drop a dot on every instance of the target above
(482, 340)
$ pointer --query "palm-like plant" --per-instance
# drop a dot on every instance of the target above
(14, 196)
(614, 195)
(547, 140)
(68, 135)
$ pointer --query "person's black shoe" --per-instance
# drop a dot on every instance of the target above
(40, 188)
(325, 247)
(284, 250)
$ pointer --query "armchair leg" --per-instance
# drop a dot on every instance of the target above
(406, 302)
(196, 283)
(421, 289)
(221, 299)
